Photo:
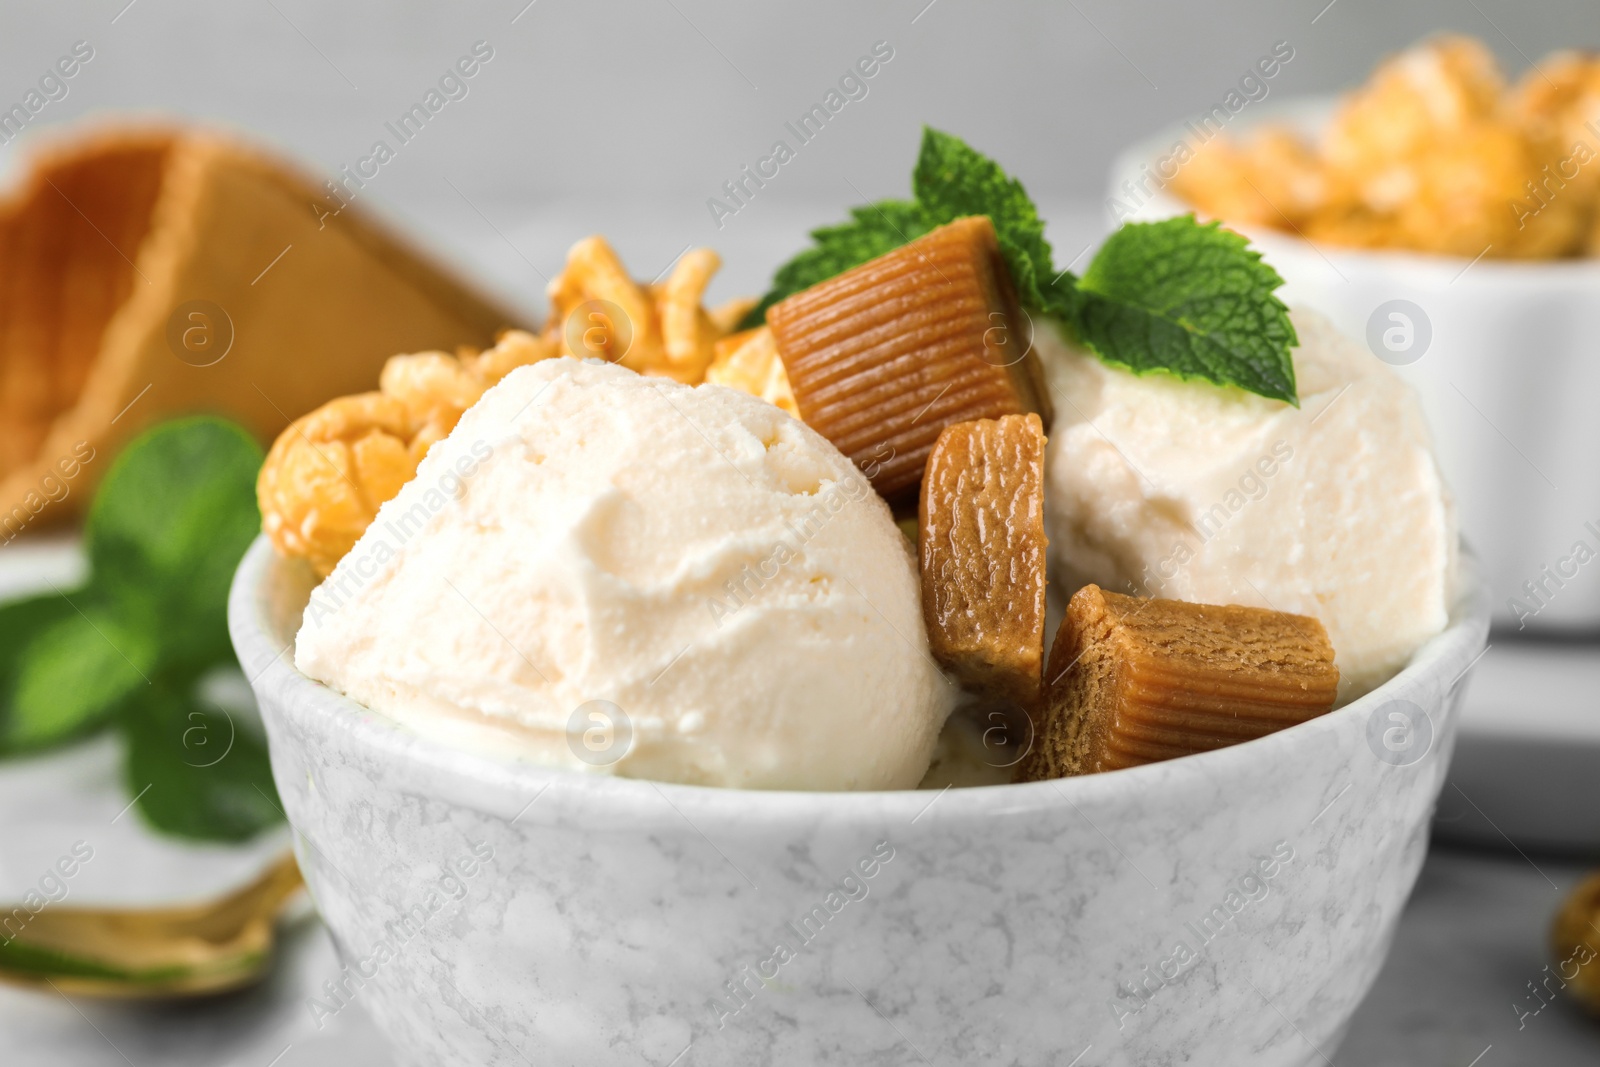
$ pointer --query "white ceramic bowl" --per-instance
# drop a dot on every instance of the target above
(1509, 378)
(500, 913)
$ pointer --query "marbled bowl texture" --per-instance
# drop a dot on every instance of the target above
(1223, 910)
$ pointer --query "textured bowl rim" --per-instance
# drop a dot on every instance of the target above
(471, 777)
(1309, 112)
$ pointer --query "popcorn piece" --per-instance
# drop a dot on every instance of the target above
(1468, 187)
(749, 362)
(329, 472)
(1218, 181)
(594, 273)
(1575, 943)
(1413, 101)
(512, 349)
(659, 330)
(1560, 101)
(1291, 177)
(1134, 681)
(1436, 88)
(981, 519)
(1430, 100)
(1561, 96)
(687, 333)
(1274, 179)
(884, 356)
(430, 385)
(1432, 154)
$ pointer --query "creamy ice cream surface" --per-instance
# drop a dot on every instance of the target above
(1191, 491)
(622, 574)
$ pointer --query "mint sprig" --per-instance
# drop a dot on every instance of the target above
(952, 180)
(129, 648)
(1173, 297)
(1190, 300)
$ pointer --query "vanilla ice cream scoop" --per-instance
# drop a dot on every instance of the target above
(622, 574)
(1181, 489)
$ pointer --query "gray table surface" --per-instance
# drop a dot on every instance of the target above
(1453, 994)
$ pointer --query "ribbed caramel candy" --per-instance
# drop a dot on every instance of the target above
(1134, 681)
(886, 355)
(981, 516)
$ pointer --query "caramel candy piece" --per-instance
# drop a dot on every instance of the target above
(1134, 681)
(886, 355)
(982, 547)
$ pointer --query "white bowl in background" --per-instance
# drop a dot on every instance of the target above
(1509, 379)
(496, 912)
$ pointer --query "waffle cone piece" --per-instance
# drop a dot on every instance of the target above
(146, 273)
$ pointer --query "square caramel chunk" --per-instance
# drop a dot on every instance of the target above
(886, 355)
(982, 546)
(1133, 680)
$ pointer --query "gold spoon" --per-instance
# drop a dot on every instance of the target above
(132, 953)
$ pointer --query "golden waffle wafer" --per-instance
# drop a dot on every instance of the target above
(148, 273)
(1134, 681)
(886, 355)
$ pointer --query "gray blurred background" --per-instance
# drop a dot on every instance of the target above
(624, 116)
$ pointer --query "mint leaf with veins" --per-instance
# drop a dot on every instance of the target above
(1190, 300)
(952, 180)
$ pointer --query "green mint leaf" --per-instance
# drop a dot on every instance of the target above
(1190, 300)
(208, 776)
(73, 674)
(169, 525)
(874, 230)
(953, 180)
(20, 622)
(1063, 300)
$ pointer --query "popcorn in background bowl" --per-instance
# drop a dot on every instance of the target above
(1435, 153)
